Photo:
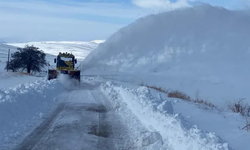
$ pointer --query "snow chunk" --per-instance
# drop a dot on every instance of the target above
(166, 107)
(40, 115)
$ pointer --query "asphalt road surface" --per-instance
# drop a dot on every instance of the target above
(82, 121)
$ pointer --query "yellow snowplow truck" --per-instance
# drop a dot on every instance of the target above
(65, 64)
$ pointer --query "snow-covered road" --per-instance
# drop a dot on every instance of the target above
(81, 121)
(101, 114)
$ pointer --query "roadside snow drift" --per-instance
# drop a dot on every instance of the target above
(24, 105)
(192, 40)
(202, 48)
(202, 51)
(174, 133)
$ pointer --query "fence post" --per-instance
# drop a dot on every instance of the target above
(8, 60)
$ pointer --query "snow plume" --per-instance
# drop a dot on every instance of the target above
(67, 82)
(168, 130)
(196, 38)
(64, 80)
(161, 4)
(23, 105)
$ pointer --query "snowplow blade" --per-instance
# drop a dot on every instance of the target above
(52, 74)
(75, 74)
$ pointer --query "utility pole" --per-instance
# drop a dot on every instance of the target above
(8, 60)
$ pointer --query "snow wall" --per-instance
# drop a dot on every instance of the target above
(194, 40)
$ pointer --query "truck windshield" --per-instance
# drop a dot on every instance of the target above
(66, 59)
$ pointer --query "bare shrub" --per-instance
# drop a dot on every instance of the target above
(142, 84)
(247, 126)
(178, 94)
(155, 88)
(247, 111)
(181, 95)
(238, 106)
(201, 101)
(204, 103)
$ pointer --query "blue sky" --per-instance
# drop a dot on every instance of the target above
(42, 20)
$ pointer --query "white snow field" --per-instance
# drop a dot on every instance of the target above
(79, 48)
(202, 51)
(8, 79)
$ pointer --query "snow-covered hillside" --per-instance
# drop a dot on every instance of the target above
(79, 48)
(203, 37)
(202, 51)
(203, 46)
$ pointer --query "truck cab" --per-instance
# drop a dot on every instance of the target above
(65, 64)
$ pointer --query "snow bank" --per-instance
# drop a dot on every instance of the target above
(170, 131)
(191, 40)
(9, 79)
(23, 106)
(203, 48)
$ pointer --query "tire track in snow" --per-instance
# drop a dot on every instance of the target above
(85, 120)
(120, 136)
(91, 116)
(30, 141)
(103, 126)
